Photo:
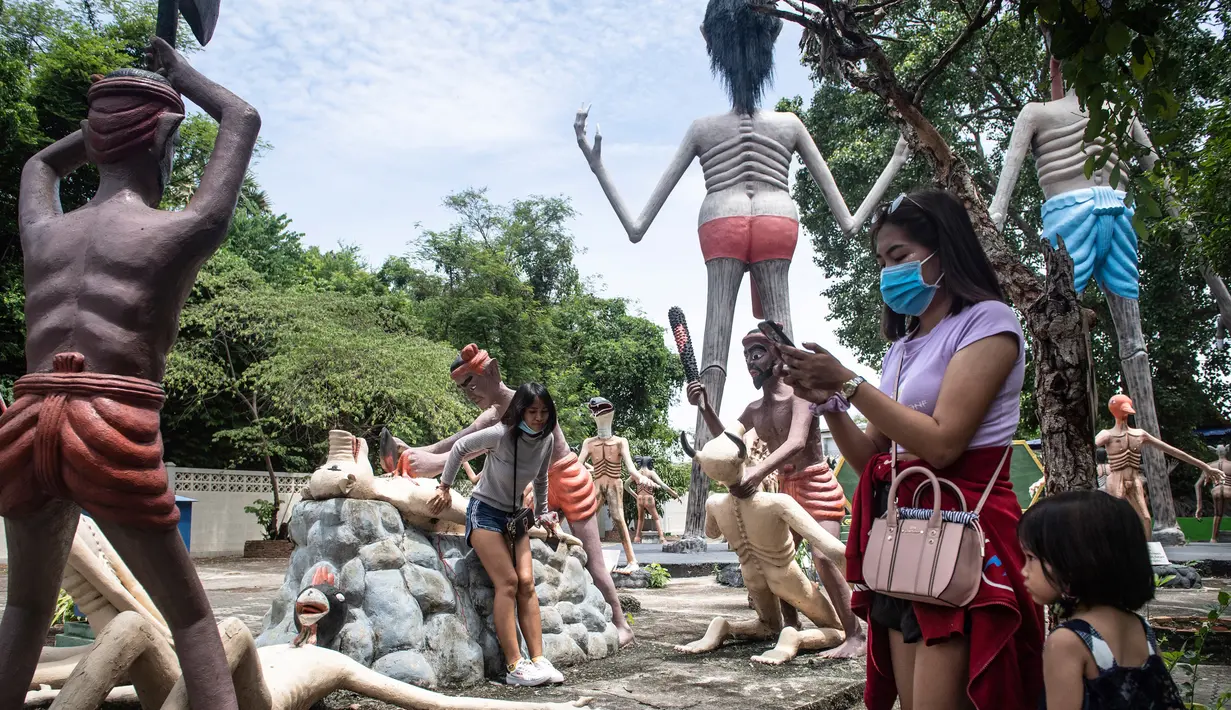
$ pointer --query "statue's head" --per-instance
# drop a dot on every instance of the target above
(320, 610)
(603, 412)
(1121, 406)
(740, 42)
(478, 375)
(644, 462)
(1222, 451)
(133, 117)
(723, 458)
(760, 357)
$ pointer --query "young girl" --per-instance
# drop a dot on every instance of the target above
(1087, 551)
(518, 453)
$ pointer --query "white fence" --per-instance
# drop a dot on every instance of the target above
(219, 524)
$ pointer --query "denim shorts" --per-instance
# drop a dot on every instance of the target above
(481, 516)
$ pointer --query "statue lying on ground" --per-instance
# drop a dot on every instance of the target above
(134, 645)
(347, 473)
(570, 489)
(759, 528)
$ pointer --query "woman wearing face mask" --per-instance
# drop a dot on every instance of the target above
(949, 395)
(518, 452)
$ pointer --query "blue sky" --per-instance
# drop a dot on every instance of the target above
(378, 110)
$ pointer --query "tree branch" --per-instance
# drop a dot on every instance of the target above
(985, 15)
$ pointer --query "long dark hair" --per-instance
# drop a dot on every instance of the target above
(522, 399)
(740, 41)
(935, 220)
(1092, 548)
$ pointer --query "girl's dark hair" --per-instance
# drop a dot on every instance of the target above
(936, 220)
(1092, 548)
(522, 399)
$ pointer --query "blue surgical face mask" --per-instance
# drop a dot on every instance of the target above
(527, 429)
(904, 290)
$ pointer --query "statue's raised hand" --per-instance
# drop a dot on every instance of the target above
(163, 59)
(420, 463)
(593, 153)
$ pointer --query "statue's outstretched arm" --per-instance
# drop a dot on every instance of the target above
(819, 170)
(1015, 157)
(1173, 452)
(802, 523)
(238, 126)
(1197, 488)
(712, 530)
(633, 472)
(39, 198)
(488, 417)
(675, 170)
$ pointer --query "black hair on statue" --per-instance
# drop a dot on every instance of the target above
(936, 220)
(1092, 549)
(522, 399)
(740, 41)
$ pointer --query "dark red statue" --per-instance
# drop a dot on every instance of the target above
(104, 287)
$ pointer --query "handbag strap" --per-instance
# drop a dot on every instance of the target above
(893, 445)
(516, 437)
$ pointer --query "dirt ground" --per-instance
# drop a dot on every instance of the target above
(650, 674)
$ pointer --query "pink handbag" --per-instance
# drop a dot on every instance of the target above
(931, 556)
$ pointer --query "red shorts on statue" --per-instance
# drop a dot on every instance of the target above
(90, 438)
(750, 239)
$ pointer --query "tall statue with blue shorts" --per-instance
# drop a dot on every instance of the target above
(1097, 228)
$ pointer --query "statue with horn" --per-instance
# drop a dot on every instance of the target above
(761, 528)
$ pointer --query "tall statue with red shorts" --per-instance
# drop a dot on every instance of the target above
(792, 434)
(104, 287)
(570, 490)
(748, 221)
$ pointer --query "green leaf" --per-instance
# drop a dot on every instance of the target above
(1141, 65)
(1118, 38)
(1224, 598)
(1115, 182)
(1088, 168)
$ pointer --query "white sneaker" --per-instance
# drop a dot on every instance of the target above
(525, 673)
(544, 666)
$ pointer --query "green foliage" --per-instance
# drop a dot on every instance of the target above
(659, 576)
(973, 103)
(64, 609)
(1191, 657)
(264, 512)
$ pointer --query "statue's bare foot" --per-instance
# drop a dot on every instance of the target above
(627, 569)
(787, 648)
(582, 701)
(853, 647)
(701, 645)
(626, 634)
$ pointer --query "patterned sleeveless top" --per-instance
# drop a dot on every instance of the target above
(1145, 687)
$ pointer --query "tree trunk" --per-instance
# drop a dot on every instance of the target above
(1061, 372)
(1222, 297)
(1135, 364)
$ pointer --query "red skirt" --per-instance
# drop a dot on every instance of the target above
(1005, 625)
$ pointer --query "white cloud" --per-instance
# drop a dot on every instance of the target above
(377, 111)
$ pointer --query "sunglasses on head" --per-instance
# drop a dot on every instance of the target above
(891, 207)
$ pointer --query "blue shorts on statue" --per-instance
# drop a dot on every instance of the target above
(481, 516)
(1097, 228)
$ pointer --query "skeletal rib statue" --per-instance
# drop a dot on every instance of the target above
(748, 221)
(1125, 446)
(610, 456)
(792, 435)
(1220, 490)
(760, 529)
(569, 487)
(1089, 214)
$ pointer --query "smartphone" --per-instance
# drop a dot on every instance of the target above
(774, 332)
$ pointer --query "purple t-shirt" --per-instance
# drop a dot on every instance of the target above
(927, 357)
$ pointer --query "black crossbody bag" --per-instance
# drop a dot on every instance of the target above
(519, 524)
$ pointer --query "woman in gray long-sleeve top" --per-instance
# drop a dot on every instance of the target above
(518, 453)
